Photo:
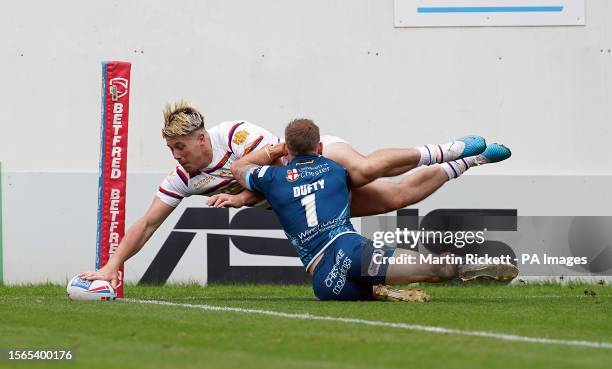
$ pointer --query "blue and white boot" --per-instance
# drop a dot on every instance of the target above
(492, 154)
(472, 145)
(461, 148)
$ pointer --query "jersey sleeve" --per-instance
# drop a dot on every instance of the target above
(259, 179)
(245, 137)
(174, 187)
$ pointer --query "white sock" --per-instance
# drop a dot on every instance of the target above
(456, 168)
(431, 154)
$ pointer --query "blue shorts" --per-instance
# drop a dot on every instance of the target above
(346, 271)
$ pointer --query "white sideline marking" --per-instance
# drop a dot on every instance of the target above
(412, 327)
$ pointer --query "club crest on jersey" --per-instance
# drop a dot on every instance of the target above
(240, 137)
(292, 175)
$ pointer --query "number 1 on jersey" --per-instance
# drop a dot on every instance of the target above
(308, 202)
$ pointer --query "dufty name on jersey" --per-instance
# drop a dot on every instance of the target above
(308, 188)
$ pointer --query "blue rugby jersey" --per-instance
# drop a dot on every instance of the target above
(310, 197)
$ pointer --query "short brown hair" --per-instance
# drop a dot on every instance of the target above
(181, 119)
(302, 136)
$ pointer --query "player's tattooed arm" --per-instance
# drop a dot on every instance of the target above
(266, 156)
(240, 172)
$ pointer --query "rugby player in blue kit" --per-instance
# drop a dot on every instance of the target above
(311, 196)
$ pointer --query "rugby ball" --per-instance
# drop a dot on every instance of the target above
(81, 289)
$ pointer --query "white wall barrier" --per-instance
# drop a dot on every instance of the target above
(50, 224)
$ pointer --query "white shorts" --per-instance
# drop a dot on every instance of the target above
(326, 140)
(329, 139)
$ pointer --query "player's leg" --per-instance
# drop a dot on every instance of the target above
(353, 269)
(392, 162)
(381, 197)
(343, 273)
(449, 267)
(381, 163)
(375, 270)
(416, 271)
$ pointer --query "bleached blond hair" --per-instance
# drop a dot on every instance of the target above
(181, 119)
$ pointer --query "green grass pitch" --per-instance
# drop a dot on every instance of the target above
(129, 334)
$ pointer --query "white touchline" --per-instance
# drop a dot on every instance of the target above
(412, 327)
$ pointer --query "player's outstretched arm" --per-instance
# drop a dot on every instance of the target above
(135, 238)
(244, 198)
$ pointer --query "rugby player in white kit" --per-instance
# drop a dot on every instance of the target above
(205, 158)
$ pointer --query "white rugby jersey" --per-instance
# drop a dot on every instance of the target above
(230, 141)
